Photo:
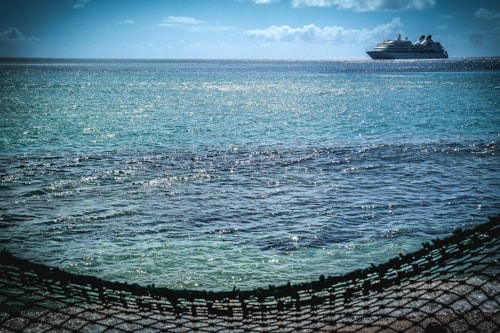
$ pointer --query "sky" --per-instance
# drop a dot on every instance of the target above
(241, 29)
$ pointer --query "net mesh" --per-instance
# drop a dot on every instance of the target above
(449, 285)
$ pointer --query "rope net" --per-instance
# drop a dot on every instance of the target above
(449, 285)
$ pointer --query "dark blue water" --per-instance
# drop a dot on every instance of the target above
(214, 174)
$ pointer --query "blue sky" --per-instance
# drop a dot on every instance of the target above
(241, 29)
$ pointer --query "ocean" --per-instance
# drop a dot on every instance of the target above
(222, 174)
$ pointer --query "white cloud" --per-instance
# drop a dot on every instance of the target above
(191, 24)
(263, 2)
(311, 33)
(486, 14)
(80, 4)
(176, 21)
(368, 5)
(12, 34)
(210, 28)
(127, 21)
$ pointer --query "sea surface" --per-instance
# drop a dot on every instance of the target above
(220, 174)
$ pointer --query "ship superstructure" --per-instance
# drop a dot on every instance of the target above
(424, 48)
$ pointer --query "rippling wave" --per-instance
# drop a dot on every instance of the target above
(221, 174)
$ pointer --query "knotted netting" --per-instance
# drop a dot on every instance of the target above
(449, 285)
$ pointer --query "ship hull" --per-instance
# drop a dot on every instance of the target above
(406, 55)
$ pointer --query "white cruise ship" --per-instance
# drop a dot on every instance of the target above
(425, 48)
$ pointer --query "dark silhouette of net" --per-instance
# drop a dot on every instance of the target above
(450, 285)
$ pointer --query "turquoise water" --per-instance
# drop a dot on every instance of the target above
(215, 174)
